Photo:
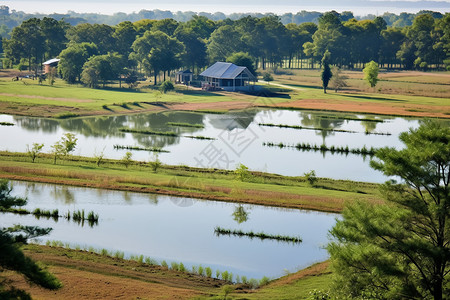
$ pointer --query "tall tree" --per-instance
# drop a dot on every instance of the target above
(157, 52)
(223, 42)
(195, 54)
(400, 249)
(99, 34)
(72, 60)
(326, 74)
(27, 41)
(125, 34)
(243, 59)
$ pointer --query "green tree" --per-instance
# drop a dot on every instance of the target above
(243, 59)
(400, 249)
(371, 73)
(12, 257)
(166, 86)
(34, 151)
(124, 34)
(157, 52)
(224, 41)
(100, 34)
(102, 68)
(195, 54)
(68, 142)
(338, 80)
(57, 151)
(326, 74)
(72, 60)
(126, 159)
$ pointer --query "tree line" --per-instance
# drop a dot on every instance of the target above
(100, 52)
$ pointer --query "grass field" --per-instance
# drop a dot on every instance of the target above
(261, 188)
(398, 93)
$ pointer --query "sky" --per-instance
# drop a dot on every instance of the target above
(358, 7)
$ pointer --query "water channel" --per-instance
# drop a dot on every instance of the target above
(179, 229)
(238, 135)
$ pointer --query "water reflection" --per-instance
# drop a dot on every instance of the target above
(240, 215)
(181, 229)
(238, 137)
(317, 121)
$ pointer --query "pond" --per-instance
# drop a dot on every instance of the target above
(180, 229)
(238, 138)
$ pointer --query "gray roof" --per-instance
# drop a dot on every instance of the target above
(51, 61)
(225, 70)
(185, 72)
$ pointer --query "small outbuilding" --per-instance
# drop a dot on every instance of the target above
(52, 63)
(227, 76)
(184, 77)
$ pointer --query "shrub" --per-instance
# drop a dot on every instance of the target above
(166, 86)
(267, 76)
(311, 177)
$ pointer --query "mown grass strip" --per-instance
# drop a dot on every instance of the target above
(261, 235)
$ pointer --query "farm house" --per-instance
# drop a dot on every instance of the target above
(227, 76)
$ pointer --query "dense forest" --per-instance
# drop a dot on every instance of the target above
(159, 46)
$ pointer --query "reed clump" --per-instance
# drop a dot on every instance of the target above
(320, 129)
(6, 124)
(261, 235)
(180, 124)
(198, 137)
(137, 148)
(324, 148)
(149, 132)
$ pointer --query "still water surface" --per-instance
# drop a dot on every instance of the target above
(179, 229)
(238, 139)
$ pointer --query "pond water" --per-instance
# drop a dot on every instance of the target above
(179, 229)
(238, 139)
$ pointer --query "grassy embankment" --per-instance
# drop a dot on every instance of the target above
(398, 93)
(106, 277)
(261, 188)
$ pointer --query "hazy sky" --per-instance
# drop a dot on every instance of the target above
(359, 7)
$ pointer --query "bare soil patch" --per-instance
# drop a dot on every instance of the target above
(314, 270)
(370, 108)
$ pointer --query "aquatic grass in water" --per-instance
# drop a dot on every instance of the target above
(150, 132)
(137, 148)
(324, 148)
(319, 129)
(185, 125)
(261, 235)
(198, 137)
(6, 124)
